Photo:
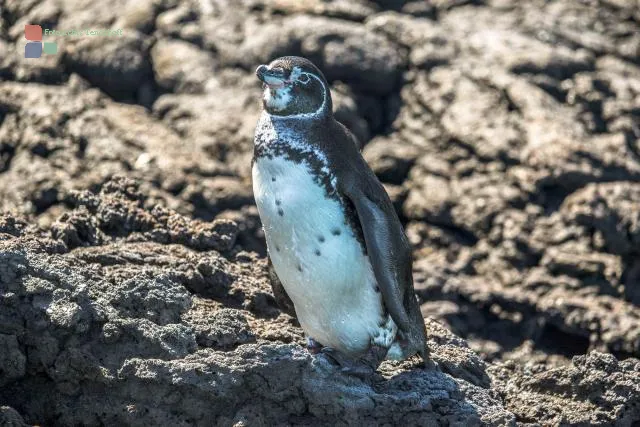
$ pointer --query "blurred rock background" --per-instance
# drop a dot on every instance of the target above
(133, 286)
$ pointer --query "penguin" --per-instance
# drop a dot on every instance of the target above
(339, 259)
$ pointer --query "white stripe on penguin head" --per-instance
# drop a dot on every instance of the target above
(281, 101)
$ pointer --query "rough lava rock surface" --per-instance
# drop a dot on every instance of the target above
(135, 317)
(133, 282)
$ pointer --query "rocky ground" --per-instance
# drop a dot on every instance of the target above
(133, 283)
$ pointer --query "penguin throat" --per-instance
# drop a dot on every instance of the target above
(277, 98)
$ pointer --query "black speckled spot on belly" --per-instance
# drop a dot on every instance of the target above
(273, 149)
(265, 148)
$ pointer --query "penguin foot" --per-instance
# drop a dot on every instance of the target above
(427, 362)
(364, 372)
(363, 367)
(375, 355)
(313, 346)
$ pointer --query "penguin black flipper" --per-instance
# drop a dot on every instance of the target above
(387, 246)
(282, 299)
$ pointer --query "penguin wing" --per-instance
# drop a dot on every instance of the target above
(389, 252)
(388, 256)
(282, 299)
(387, 246)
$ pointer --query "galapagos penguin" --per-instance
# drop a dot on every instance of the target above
(339, 258)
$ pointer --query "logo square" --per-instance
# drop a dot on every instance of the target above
(50, 48)
(33, 32)
(33, 50)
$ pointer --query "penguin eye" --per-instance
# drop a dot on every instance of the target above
(303, 78)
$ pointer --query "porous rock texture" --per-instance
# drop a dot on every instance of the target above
(133, 279)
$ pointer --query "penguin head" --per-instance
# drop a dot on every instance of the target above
(294, 87)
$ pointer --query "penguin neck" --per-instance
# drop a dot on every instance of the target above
(296, 123)
(321, 115)
(301, 135)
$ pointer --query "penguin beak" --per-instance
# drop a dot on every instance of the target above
(272, 78)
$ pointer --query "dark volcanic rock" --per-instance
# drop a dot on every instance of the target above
(10, 417)
(78, 141)
(343, 50)
(595, 389)
(119, 212)
(180, 66)
(120, 66)
(121, 319)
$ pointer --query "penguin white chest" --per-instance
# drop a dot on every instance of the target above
(318, 259)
